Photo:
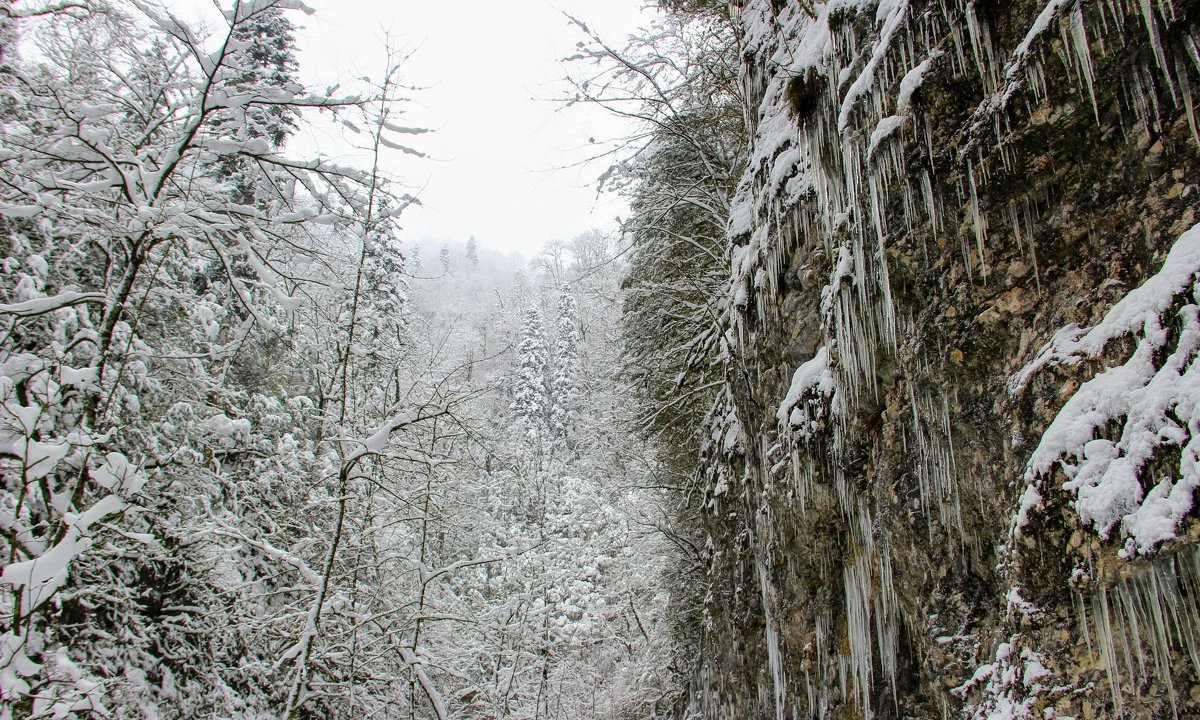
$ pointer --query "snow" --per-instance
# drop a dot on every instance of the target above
(377, 441)
(19, 211)
(813, 375)
(230, 432)
(404, 130)
(1141, 309)
(41, 306)
(891, 14)
(1014, 69)
(1030, 500)
(39, 578)
(883, 130)
(911, 82)
(402, 148)
(83, 377)
(1156, 403)
(1011, 683)
(1018, 603)
(1035, 31)
(118, 475)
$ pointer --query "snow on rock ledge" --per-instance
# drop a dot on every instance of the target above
(1154, 399)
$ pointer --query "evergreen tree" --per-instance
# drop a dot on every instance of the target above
(386, 290)
(414, 260)
(267, 59)
(262, 64)
(566, 362)
(473, 252)
(530, 399)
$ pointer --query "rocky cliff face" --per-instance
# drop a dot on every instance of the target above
(953, 472)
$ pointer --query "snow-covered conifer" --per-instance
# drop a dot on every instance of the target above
(473, 252)
(566, 362)
(530, 398)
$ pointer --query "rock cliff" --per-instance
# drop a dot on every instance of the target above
(953, 471)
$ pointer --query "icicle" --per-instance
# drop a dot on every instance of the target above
(1083, 55)
(979, 222)
(1185, 87)
(981, 46)
(1105, 642)
(774, 657)
(857, 583)
(887, 625)
(930, 205)
(1153, 614)
(1160, 56)
(1029, 233)
(1081, 609)
(1011, 211)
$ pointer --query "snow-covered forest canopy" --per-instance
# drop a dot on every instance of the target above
(879, 402)
(264, 455)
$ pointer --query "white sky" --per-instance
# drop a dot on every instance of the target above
(489, 70)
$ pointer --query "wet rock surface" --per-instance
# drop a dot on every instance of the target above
(936, 190)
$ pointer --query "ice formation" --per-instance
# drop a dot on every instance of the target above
(836, 97)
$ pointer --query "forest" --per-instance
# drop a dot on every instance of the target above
(263, 456)
(879, 403)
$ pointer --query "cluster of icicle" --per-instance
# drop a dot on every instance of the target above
(820, 186)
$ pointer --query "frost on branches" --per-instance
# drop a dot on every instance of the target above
(175, 452)
(249, 467)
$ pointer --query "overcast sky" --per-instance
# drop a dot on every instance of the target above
(490, 72)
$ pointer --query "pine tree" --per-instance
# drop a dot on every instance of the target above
(263, 63)
(414, 260)
(268, 60)
(530, 399)
(473, 252)
(566, 362)
(386, 295)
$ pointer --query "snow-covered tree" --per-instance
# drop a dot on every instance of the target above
(413, 263)
(266, 56)
(473, 252)
(530, 396)
(175, 488)
(262, 58)
(566, 362)
(251, 464)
